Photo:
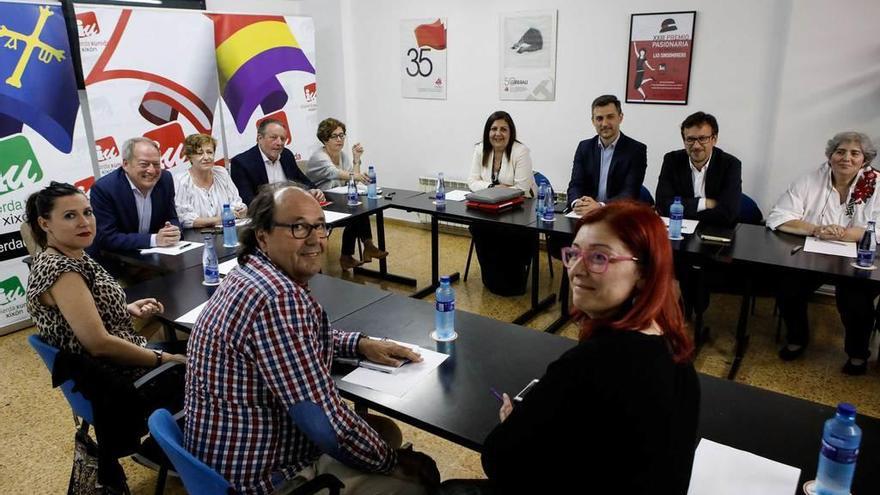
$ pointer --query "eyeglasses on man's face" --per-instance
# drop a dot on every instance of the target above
(595, 261)
(302, 230)
(691, 140)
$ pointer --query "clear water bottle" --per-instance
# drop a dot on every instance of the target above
(539, 200)
(440, 192)
(210, 266)
(676, 214)
(352, 192)
(867, 247)
(230, 236)
(444, 314)
(549, 205)
(840, 448)
(371, 187)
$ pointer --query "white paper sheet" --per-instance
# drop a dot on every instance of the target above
(397, 384)
(722, 470)
(835, 248)
(687, 226)
(227, 266)
(456, 195)
(174, 250)
(191, 315)
(362, 190)
(332, 216)
(572, 214)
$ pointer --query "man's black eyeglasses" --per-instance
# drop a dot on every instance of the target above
(303, 230)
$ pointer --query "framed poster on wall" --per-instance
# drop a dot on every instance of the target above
(659, 57)
(423, 58)
(528, 56)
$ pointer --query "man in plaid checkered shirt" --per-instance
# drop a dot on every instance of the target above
(263, 344)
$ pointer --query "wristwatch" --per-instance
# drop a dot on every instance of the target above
(158, 353)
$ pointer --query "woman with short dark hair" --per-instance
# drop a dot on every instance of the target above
(330, 167)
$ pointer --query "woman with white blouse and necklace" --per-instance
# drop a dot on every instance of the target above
(330, 167)
(201, 192)
(502, 161)
(834, 203)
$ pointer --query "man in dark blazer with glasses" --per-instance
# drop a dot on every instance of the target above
(708, 180)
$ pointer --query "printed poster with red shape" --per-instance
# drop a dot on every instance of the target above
(148, 72)
(660, 50)
(423, 58)
(266, 66)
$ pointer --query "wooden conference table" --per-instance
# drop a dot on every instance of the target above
(454, 401)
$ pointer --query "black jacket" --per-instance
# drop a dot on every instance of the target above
(723, 184)
(248, 172)
(625, 177)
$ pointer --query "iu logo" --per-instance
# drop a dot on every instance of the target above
(281, 117)
(106, 149)
(19, 167)
(11, 290)
(310, 91)
(87, 24)
(84, 184)
(170, 139)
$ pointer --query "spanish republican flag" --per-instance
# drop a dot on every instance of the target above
(251, 52)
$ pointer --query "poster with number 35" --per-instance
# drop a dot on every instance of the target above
(423, 58)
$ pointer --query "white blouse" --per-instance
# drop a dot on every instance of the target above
(323, 173)
(193, 201)
(813, 199)
(516, 172)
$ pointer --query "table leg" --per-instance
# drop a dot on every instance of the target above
(435, 263)
(537, 306)
(564, 314)
(742, 329)
(383, 263)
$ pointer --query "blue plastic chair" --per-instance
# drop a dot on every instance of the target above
(645, 196)
(80, 405)
(749, 212)
(200, 479)
(197, 477)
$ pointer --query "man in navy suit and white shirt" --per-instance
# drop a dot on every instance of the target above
(608, 166)
(269, 162)
(134, 204)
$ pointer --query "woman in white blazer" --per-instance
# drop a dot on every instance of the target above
(500, 160)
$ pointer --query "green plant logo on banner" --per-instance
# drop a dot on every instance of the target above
(11, 291)
(19, 167)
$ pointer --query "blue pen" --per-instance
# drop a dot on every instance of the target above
(496, 394)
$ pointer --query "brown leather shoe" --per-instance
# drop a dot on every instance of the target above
(347, 262)
(371, 251)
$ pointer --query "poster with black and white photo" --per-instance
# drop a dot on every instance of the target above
(660, 48)
(423, 58)
(528, 56)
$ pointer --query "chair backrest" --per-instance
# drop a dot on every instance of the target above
(311, 420)
(749, 211)
(197, 477)
(645, 196)
(80, 405)
(539, 177)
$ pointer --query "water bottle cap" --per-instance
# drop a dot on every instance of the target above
(225, 205)
(846, 409)
(676, 199)
(444, 279)
(372, 167)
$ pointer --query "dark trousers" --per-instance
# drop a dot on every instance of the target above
(505, 256)
(693, 282)
(358, 228)
(855, 304)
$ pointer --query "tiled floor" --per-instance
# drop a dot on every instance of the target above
(36, 429)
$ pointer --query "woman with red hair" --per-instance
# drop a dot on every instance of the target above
(618, 412)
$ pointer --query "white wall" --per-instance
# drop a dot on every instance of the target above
(781, 76)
